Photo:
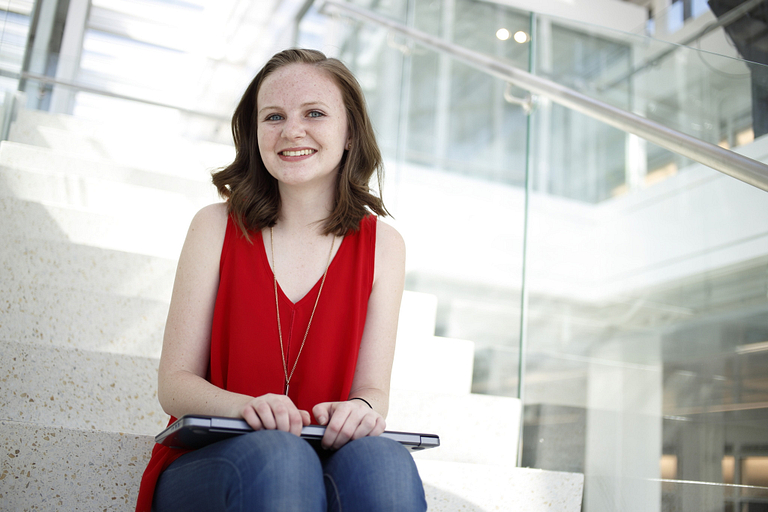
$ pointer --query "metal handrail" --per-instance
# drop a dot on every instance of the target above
(728, 162)
(81, 87)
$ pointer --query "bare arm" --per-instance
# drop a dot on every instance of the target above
(354, 419)
(182, 388)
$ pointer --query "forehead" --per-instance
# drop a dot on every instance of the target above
(299, 82)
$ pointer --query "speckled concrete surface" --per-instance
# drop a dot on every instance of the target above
(79, 389)
(57, 469)
(161, 153)
(15, 155)
(81, 319)
(143, 233)
(473, 428)
(62, 469)
(452, 486)
(147, 232)
(56, 264)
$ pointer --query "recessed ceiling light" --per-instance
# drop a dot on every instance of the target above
(521, 37)
(503, 34)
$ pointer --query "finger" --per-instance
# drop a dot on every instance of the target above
(282, 417)
(341, 426)
(381, 426)
(250, 417)
(322, 412)
(265, 415)
(347, 431)
(366, 426)
(338, 415)
(297, 420)
(306, 419)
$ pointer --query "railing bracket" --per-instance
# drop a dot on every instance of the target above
(528, 103)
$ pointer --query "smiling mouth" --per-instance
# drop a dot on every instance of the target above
(303, 152)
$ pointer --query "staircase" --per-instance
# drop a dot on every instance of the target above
(94, 216)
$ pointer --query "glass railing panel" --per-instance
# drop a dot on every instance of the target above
(117, 103)
(706, 94)
(647, 341)
(455, 164)
(14, 29)
(646, 321)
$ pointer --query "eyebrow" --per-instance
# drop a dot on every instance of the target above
(303, 105)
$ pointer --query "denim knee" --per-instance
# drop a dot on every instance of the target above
(265, 470)
(373, 474)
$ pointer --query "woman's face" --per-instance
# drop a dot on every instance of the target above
(302, 125)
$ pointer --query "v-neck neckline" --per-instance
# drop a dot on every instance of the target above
(312, 291)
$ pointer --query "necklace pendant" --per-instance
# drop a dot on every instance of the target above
(286, 388)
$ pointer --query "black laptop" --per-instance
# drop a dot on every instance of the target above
(196, 431)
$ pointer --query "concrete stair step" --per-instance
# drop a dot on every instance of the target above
(142, 233)
(453, 486)
(77, 319)
(60, 387)
(115, 126)
(95, 185)
(53, 468)
(63, 265)
(49, 468)
(107, 322)
(432, 363)
(19, 155)
(479, 429)
(84, 389)
(169, 155)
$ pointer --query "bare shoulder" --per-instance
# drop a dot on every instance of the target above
(390, 252)
(388, 238)
(211, 217)
(207, 230)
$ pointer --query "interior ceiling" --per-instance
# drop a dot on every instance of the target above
(220, 42)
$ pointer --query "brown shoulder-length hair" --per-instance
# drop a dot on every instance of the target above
(252, 193)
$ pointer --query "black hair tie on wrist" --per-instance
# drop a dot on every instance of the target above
(362, 400)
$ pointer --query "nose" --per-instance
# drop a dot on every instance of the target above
(293, 129)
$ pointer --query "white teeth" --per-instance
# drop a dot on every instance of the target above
(303, 152)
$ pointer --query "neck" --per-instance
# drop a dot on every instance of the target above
(304, 210)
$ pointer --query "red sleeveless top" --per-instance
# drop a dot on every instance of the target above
(245, 346)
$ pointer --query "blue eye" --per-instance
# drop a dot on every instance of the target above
(274, 117)
(315, 113)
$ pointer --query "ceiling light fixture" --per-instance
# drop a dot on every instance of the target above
(503, 34)
(521, 37)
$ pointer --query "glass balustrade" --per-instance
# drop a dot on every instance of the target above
(646, 274)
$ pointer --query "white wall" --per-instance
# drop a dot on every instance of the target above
(699, 220)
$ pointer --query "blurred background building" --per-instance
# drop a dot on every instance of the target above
(618, 289)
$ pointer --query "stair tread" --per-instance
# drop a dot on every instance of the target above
(89, 389)
(78, 319)
(107, 467)
(64, 265)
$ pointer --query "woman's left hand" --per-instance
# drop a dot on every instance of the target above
(346, 421)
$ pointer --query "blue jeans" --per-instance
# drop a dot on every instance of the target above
(270, 470)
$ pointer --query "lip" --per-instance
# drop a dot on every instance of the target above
(293, 158)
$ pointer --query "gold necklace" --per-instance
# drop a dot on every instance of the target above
(277, 307)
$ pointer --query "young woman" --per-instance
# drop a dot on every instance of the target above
(284, 312)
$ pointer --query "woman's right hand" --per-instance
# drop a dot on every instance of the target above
(274, 412)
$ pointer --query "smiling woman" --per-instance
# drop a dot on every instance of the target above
(253, 194)
(284, 312)
(302, 126)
